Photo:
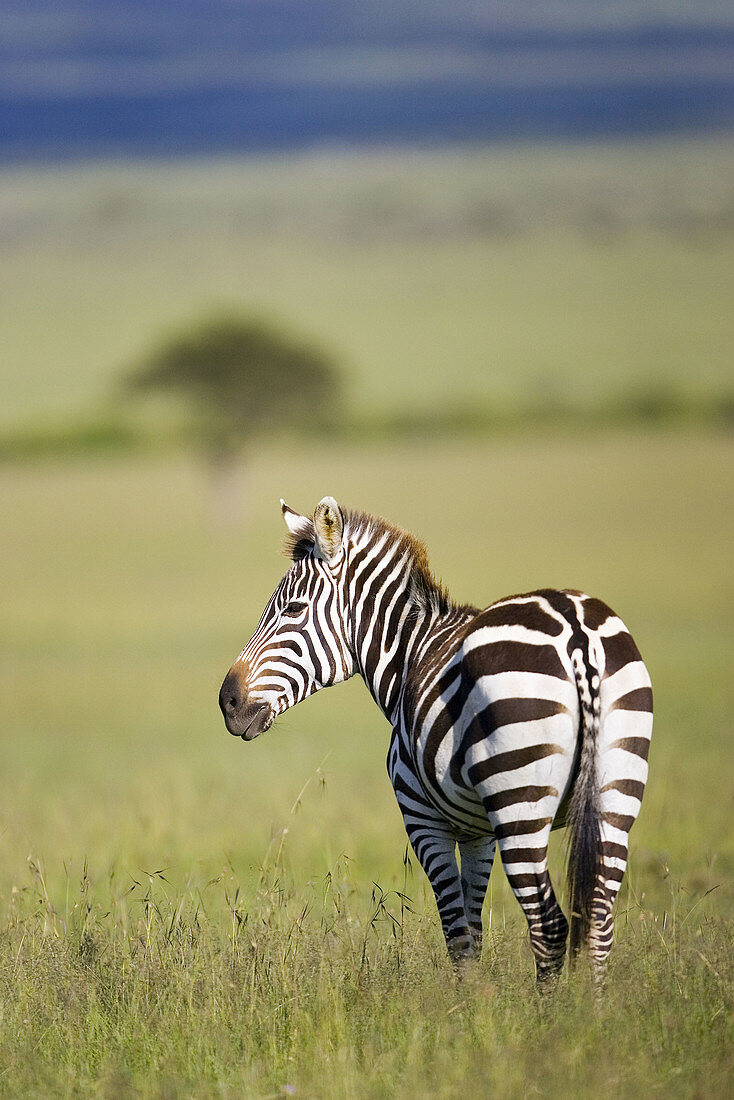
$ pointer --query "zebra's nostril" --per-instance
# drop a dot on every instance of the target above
(230, 696)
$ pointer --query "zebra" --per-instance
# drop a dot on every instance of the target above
(507, 722)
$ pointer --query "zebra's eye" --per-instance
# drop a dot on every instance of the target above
(294, 607)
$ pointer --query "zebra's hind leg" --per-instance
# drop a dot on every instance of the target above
(610, 871)
(525, 860)
(477, 857)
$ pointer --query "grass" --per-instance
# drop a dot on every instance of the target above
(319, 992)
(183, 914)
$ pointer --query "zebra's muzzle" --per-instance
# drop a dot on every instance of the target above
(250, 721)
(261, 720)
(242, 718)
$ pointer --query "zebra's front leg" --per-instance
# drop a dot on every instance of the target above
(435, 847)
(434, 843)
(477, 856)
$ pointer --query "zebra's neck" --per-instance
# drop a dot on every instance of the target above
(396, 612)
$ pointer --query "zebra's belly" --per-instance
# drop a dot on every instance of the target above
(460, 806)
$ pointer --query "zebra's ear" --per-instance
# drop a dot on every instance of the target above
(329, 526)
(299, 541)
(299, 526)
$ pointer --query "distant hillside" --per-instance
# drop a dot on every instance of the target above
(466, 284)
(191, 76)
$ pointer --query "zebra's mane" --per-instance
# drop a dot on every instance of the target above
(427, 593)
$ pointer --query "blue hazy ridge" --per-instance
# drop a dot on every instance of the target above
(81, 79)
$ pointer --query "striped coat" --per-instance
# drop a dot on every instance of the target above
(533, 713)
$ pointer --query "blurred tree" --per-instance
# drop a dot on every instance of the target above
(239, 378)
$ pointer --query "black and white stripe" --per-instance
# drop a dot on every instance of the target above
(507, 722)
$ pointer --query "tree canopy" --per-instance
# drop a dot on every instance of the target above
(240, 377)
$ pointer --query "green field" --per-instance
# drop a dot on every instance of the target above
(182, 914)
(494, 277)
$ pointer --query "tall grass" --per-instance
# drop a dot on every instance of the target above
(338, 988)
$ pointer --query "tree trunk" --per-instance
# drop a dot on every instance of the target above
(228, 490)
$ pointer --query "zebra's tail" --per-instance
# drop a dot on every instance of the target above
(584, 828)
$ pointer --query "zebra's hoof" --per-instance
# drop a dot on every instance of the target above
(546, 979)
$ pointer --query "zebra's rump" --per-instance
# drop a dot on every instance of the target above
(497, 730)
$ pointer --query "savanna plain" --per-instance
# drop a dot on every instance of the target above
(184, 914)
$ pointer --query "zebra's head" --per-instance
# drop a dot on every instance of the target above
(300, 643)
